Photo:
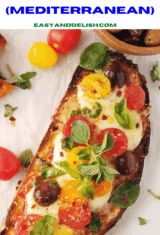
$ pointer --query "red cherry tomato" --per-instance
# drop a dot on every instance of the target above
(135, 97)
(75, 217)
(63, 40)
(68, 126)
(9, 164)
(25, 224)
(120, 141)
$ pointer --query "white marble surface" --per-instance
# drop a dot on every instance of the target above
(36, 106)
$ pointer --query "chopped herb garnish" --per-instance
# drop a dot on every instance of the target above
(153, 194)
(95, 224)
(142, 221)
(26, 157)
(9, 109)
(155, 73)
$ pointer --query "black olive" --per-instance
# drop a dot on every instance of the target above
(126, 163)
(136, 32)
(115, 74)
(44, 194)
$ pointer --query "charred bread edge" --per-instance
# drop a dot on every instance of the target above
(77, 76)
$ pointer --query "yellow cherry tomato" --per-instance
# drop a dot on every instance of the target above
(42, 55)
(72, 157)
(96, 86)
(63, 232)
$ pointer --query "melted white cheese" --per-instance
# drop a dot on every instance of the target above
(134, 135)
(98, 202)
(58, 151)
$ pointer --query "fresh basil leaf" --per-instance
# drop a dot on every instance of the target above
(106, 176)
(80, 132)
(99, 177)
(50, 172)
(142, 221)
(111, 171)
(86, 189)
(26, 157)
(43, 226)
(101, 161)
(84, 154)
(122, 115)
(74, 174)
(97, 110)
(107, 143)
(9, 110)
(88, 170)
(75, 113)
(28, 75)
(68, 143)
(22, 84)
(95, 224)
(95, 56)
(126, 194)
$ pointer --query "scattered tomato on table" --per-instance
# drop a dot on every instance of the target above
(63, 40)
(42, 55)
(9, 164)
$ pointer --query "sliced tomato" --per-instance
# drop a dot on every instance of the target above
(26, 187)
(75, 217)
(68, 126)
(135, 97)
(25, 224)
(120, 141)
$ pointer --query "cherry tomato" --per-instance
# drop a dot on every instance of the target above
(63, 40)
(135, 97)
(25, 224)
(42, 55)
(9, 164)
(68, 126)
(75, 217)
(120, 141)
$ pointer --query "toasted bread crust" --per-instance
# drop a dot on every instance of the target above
(69, 103)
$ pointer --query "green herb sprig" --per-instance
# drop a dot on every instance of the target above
(96, 168)
(9, 110)
(155, 73)
(21, 81)
(97, 109)
(142, 221)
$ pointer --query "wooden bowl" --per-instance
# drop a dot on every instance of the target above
(124, 47)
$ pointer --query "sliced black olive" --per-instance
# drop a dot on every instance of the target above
(45, 194)
(115, 74)
(126, 163)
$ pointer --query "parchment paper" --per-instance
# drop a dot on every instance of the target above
(36, 106)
